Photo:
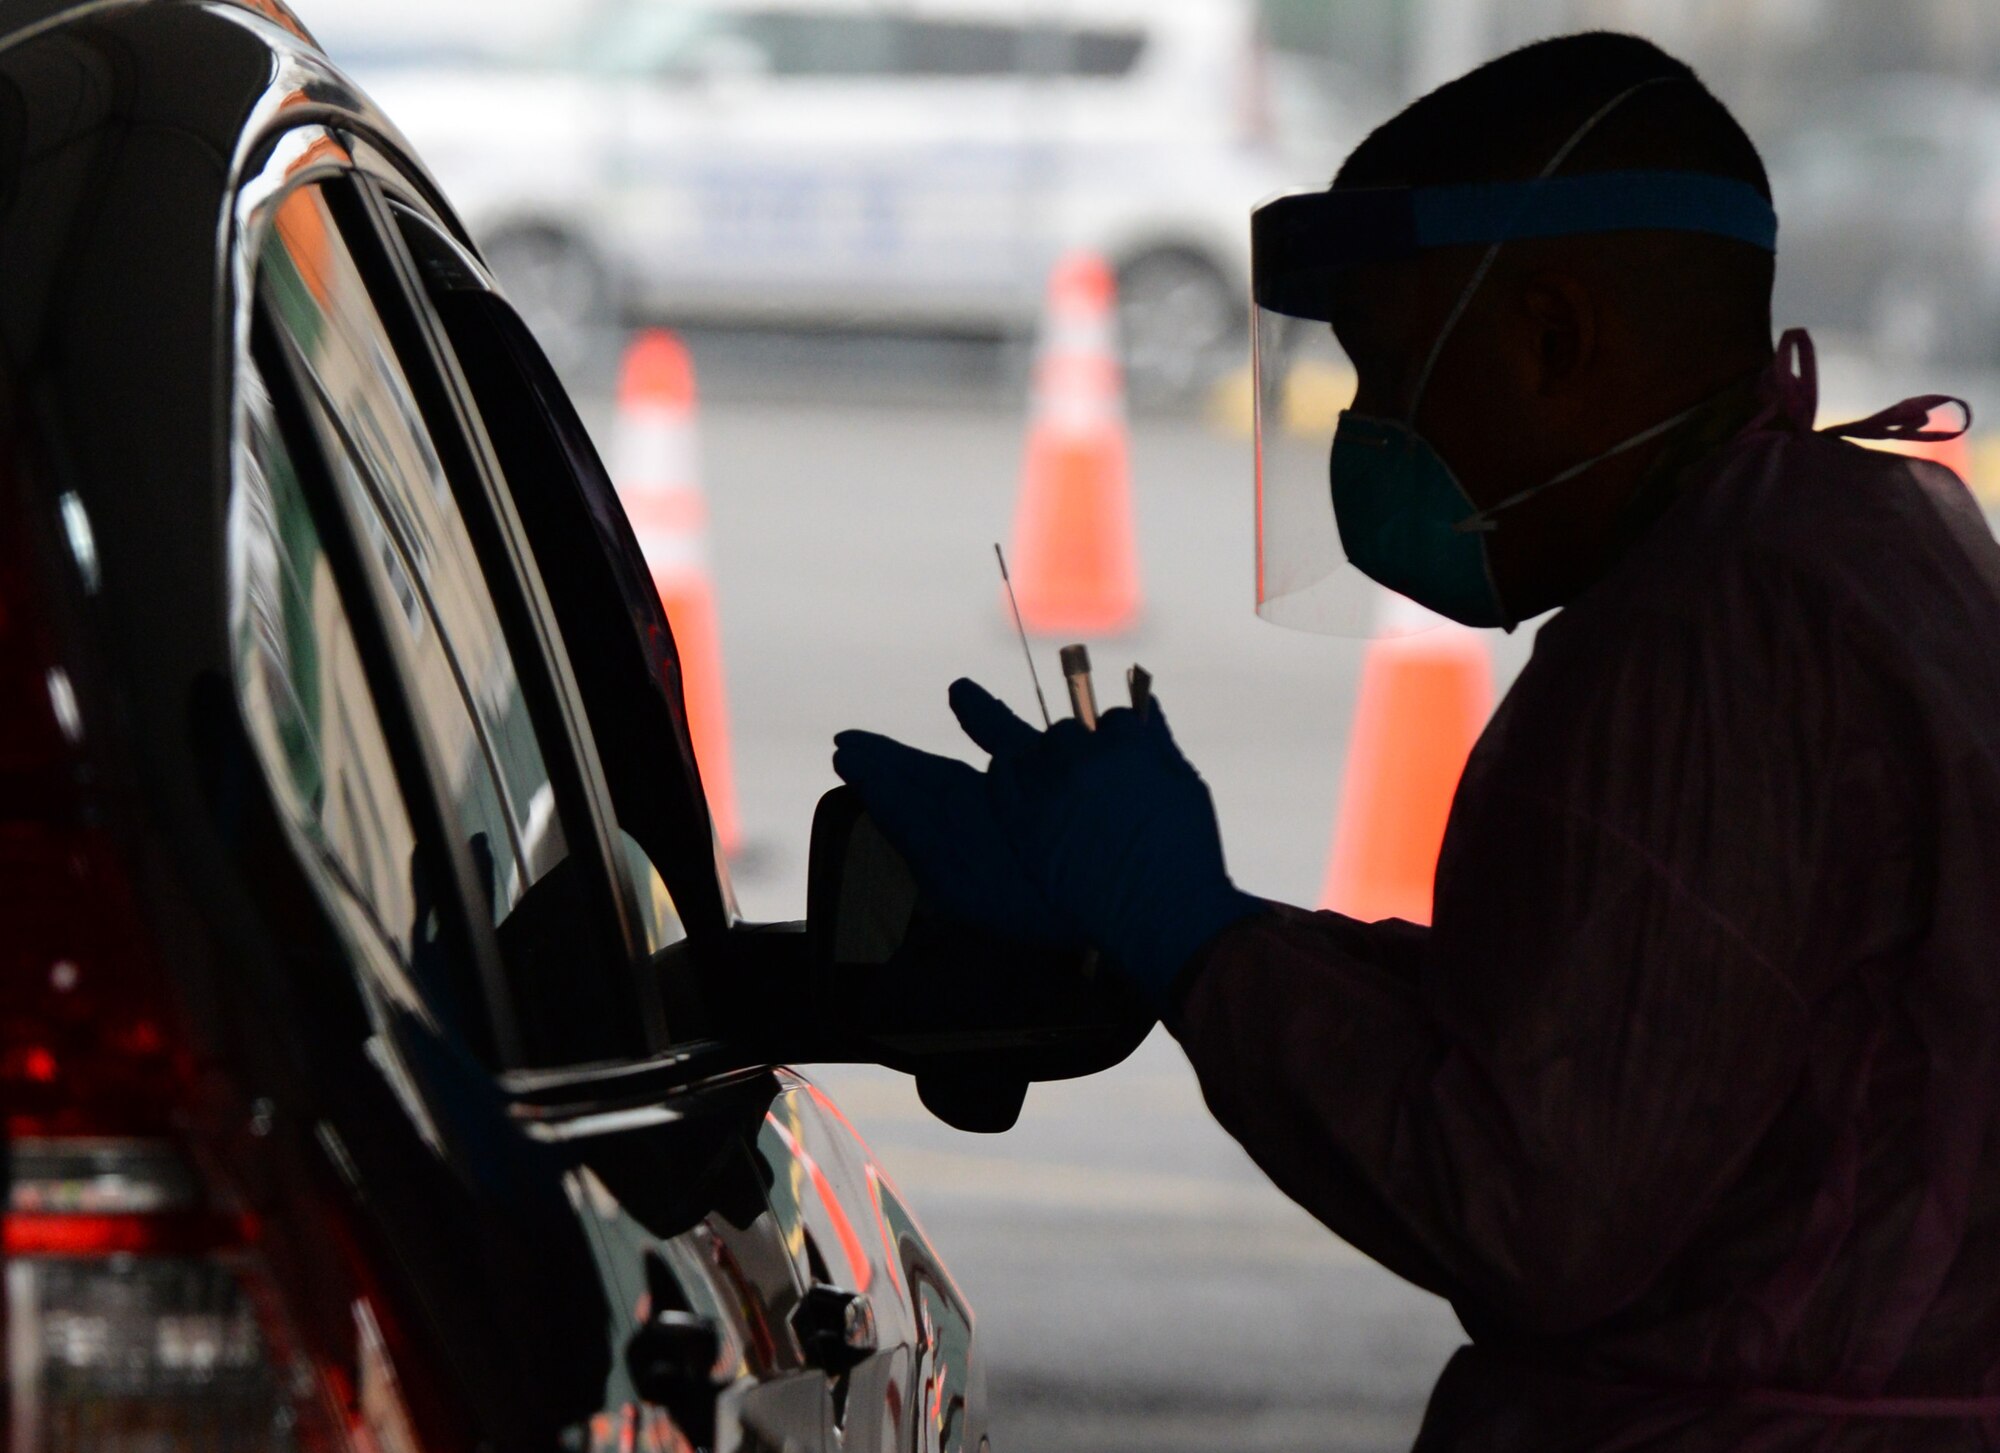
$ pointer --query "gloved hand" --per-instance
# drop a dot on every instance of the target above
(938, 813)
(1116, 829)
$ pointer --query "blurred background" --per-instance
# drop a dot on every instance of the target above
(848, 212)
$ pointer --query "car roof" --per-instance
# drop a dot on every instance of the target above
(117, 184)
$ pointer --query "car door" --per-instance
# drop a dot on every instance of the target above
(850, 1232)
(855, 1250)
(478, 1288)
(657, 1172)
(473, 1265)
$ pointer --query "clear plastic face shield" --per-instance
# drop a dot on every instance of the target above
(1302, 384)
(1403, 518)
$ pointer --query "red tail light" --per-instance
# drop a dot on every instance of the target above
(83, 1038)
(91, 1196)
(129, 1320)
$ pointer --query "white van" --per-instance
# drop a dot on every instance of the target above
(867, 163)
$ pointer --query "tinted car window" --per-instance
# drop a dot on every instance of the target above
(313, 718)
(382, 455)
(519, 403)
(601, 595)
(564, 956)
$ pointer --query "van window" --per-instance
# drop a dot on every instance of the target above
(805, 43)
(957, 48)
(1104, 53)
(687, 42)
(645, 37)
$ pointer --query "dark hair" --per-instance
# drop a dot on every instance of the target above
(1507, 119)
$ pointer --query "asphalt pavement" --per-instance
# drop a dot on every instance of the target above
(1138, 1284)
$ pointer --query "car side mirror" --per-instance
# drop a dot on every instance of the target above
(884, 978)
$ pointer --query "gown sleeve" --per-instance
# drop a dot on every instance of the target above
(1617, 995)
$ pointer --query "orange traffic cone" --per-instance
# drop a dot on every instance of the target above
(655, 466)
(1425, 697)
(1075, 558)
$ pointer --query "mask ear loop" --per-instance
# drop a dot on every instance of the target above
(1483, 521)
(1493, 251)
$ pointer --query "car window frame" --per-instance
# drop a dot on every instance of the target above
(696, 870)
(299, 153)
(569, 761)
(451, 1009)
(698, 877)
(418, 772)
(527, 621)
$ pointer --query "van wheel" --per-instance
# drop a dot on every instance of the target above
(1180, 325)
(557, 285)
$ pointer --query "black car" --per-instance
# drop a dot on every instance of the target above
(383, 1064)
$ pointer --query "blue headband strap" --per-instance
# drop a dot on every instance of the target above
(1577, 206)
(1299, 243)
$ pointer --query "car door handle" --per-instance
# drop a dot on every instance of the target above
(672, 1356)
(671, 1359)
(836, 1328)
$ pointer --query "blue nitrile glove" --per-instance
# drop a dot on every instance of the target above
(938, 814)
(1117, 830)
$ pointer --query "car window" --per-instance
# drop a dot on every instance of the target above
(513, 412)
(384, 459)
(1104, 53)
(816, 43)
(462, 678)
(670, 40)
(600, 592)
(957, 48)
(641, 39)
(313, 718)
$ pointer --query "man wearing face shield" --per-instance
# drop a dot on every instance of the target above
(1689, 1098)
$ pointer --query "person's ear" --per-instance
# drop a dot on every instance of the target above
(1564, 332)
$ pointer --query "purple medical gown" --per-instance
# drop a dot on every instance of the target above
(1689, 1101)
